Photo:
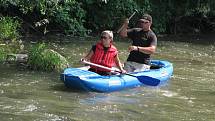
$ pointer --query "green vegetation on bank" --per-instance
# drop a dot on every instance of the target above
(43, 58)
(9, 36)
(40, 57)
(9, 28)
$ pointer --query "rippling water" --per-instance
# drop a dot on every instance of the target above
(41, 96)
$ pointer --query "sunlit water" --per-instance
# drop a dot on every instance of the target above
(41, 96)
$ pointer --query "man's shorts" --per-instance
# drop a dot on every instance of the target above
(135, 67)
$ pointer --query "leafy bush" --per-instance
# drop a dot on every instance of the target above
(9, 35)
(2, 53)
(41, 58)
(8, 28)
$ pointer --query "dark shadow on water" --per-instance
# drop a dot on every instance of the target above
(63, 88)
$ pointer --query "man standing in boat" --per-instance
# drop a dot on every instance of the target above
(104, 53)
(144, 42)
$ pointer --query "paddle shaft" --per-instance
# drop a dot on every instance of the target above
(100, 66)
(104, 67)
(120, 29)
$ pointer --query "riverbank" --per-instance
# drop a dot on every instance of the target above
(61, 38)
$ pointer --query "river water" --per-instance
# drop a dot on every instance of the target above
(41, 96)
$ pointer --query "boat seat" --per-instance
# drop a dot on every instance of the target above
(155, 66)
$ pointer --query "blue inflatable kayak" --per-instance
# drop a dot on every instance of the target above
(78, 78)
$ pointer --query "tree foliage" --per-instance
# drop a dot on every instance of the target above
(78, 17)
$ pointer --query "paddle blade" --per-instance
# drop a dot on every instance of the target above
(148, 80)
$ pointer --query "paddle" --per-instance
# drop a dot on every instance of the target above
(143, 79)
(128, 20)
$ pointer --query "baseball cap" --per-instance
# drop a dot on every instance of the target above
(110, 33)
(147, 17)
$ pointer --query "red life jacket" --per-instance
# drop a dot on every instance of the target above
(105, 58)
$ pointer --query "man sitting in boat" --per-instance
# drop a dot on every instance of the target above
(104, 53)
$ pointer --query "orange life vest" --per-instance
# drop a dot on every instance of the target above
(102, 57)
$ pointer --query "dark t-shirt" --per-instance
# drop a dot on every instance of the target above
(94, 48)
(142, 39)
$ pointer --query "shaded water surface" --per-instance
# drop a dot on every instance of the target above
(188, 96)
